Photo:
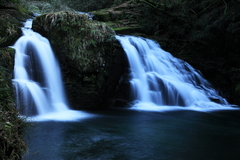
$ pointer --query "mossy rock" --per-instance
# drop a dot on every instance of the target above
(127, 30)
(38, 7)
(6, 69)
(80, 35)
(9, 33)
(11, 17)
(103, 16)
(89, 55)
(42, 7)
(12, 128)
(106, 16)
(123, 18)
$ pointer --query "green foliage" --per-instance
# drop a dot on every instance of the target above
(12, 145)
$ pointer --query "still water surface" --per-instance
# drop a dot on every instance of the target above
(138, 135)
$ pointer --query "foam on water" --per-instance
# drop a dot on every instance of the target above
(66, 116)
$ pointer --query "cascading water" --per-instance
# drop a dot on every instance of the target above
(159, 79)
(37, 78)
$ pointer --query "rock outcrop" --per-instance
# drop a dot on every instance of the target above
(90, 57)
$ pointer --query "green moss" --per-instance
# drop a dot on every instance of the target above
(122, 28)
(108, 15)
(22, 10)
(85, 49)
(104, 17)
(78, 33)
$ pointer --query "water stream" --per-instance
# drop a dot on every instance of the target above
(37, 78)
(163, 82)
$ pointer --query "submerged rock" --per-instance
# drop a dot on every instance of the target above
(89, 55)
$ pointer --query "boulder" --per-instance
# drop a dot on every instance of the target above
(90, 57)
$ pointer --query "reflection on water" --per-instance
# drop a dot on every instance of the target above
(130, 135)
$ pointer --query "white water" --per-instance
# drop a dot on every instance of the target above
(38, 81)
(163, 82)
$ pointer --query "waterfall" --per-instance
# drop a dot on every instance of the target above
(37, 78)
(160, 80)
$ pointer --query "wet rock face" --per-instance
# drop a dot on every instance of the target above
(90, 57)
